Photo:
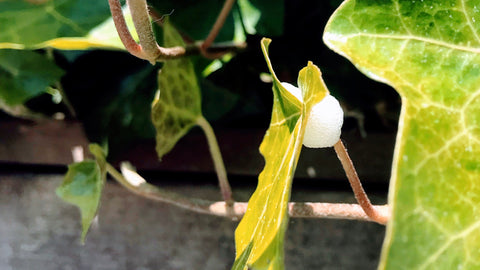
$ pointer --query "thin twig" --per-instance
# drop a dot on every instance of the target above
(139, 186)
(216, 50)
(194, 48)
(65, 99)
(58, 85)
(371, 211)
(227, 6)
(217, 160)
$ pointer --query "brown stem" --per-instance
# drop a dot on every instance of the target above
(136, 184)
(141, 20)
(217, 49)
(148, 48)
(227, 6)
(304, 210)
(122, 29)
(371, 211)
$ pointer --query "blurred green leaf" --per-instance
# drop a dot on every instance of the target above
(196, 18)
(62, 24)
(262, 17)
(177, 105)
(260, 235)
(429, 52)
(82, 187)
(25, 74)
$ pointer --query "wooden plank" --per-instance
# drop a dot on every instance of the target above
(48, 142)
(51, 142)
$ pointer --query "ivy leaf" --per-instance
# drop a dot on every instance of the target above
(25, 74)
(61, 24)
(83, 185)
(260, 235)
(429, 52)
(177, 105)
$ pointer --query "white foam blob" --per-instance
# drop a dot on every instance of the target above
(293, 90)
(324, 124)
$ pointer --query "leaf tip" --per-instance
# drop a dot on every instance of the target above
(265, 41)
(264, 44)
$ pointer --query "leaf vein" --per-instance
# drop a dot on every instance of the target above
(419, 39)
(59, 17)
(469, 21)
(462, 234)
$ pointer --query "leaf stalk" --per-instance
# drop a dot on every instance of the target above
(371, 211)
(225, 188)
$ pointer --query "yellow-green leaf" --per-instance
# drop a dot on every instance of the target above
(429, 51)
(83, 185)
(260, 235)
(177, 105)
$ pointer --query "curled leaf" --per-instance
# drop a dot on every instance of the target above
(260, 235)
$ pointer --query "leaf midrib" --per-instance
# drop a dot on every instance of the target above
(419, 39)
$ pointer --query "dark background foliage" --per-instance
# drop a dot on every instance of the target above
(111, 91)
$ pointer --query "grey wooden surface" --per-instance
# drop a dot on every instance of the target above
(39, 231)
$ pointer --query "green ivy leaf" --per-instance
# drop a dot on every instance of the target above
(83, 185)
(177, 105)
(260, 235)
(25, 74)
(61, 24)
(428, 51)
